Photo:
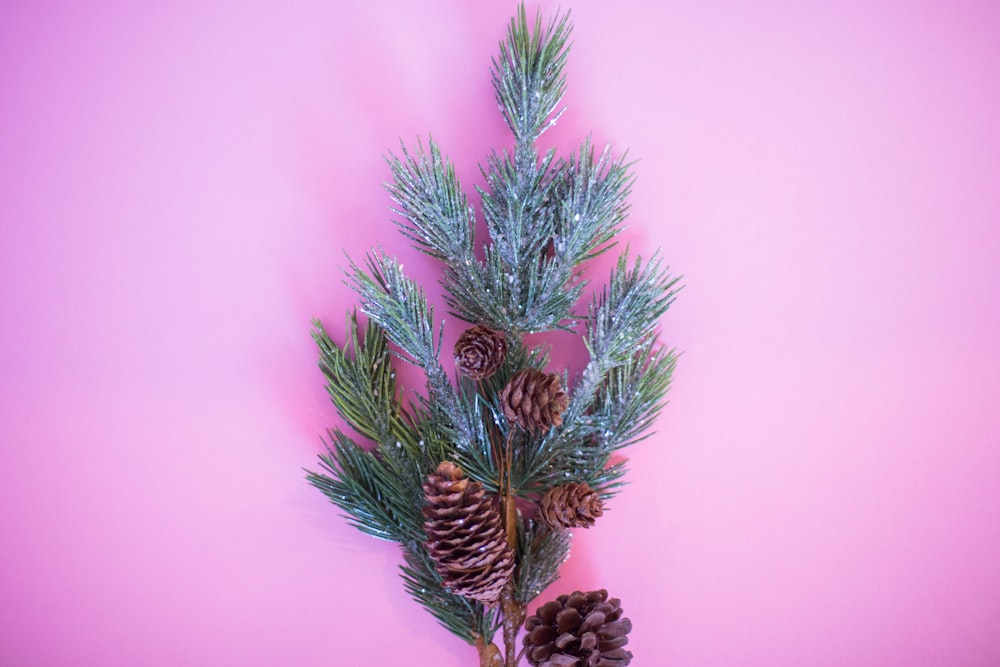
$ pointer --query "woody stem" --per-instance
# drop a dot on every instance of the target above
(489, 654)
(513, 611)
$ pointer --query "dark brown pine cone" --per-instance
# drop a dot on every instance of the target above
(580, 630)
(534, 400)
(479, 351)
(465, 535)
(573, 505)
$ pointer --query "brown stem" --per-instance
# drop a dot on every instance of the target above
(507, 499)
(513, 617)
(489, 654)
(513, 612)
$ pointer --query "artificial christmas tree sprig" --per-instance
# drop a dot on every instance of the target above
(479, 480)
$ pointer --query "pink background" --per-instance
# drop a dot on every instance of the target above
(177, 183)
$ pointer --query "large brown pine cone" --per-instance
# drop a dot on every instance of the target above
(573, 505)
(534, 400)
(581, 629)
(479, 351)
(465, 535)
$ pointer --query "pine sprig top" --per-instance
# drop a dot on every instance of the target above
(516, 428)
(528, 76)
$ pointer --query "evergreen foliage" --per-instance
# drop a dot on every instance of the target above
(545, 218)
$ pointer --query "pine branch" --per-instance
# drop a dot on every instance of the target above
(528, 77)
(533, 289)
(624, 408)
(400, 307)
(593, 206)
(515, 206)
(360, 380)
(553, 458)
(622, 317)
(476, 456)
(625, 313)
(360, 484)
(546, 217)
(480, 292)
(436, 215)
(632, 396)
(531, 299)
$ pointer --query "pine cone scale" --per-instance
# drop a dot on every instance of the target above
(543, 635)
(617, 629)
(566, 619)
(594, 620)
(610, 644)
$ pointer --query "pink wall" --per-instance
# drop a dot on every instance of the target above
(177, 184)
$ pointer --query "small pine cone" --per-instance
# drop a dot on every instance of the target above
(573, 505)
(465, 535)
(534, 400)
(579, 630)
(479, 351)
